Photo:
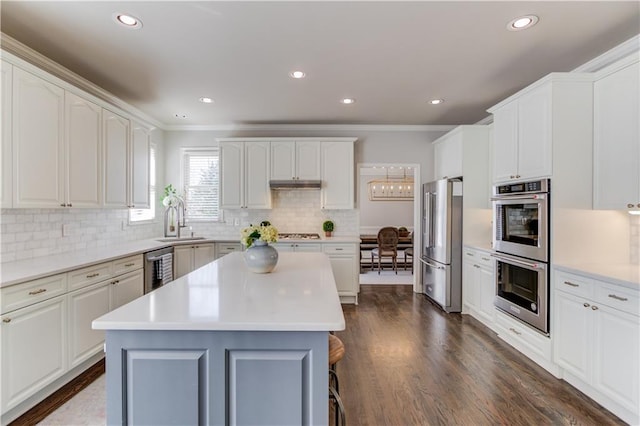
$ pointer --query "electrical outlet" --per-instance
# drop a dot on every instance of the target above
(236, 221)
(123, 225)
(65, 230)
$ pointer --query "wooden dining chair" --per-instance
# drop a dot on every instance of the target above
(387, 247)
(409, 253)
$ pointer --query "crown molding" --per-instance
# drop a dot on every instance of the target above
(35, 58)
(611, 56)
(311, 127)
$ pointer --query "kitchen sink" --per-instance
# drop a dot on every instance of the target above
(171, 239)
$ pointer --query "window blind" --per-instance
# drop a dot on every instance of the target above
(200, 183)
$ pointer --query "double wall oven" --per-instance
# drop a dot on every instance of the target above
(521, 250)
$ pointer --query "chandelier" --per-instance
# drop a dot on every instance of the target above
(391, 188)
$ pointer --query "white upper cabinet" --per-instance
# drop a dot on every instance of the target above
(337, 175)
(522, 137)
(6, 187)
(244, 175)
(295, 160)
(83, 152)
(115, 131)
(548, 121)
(448, 155)
(38, 142)
(617, 139)
(139, 185)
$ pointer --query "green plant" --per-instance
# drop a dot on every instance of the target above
(327, 226)
(403, 229)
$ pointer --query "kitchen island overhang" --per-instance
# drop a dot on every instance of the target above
(225, 346)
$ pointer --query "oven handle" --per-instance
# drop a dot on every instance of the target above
(542, 196)
(509, 259)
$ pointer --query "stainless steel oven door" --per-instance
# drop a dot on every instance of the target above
(521, 226)
(522, 290)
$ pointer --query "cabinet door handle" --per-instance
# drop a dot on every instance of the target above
(613, 296)
(515, 331)
(569, 283)
(6, 320)
(469, 254)
(339, 249)
(630, 206)
(586, 305)
(93, 275)
(476, 266)
(486, 259)
(38, 291)
(115, 282)
(69, 205)
(595, 308)
(128, 264)
(63, 205)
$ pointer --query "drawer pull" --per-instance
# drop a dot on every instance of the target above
(128, 264)
(486, 259)
(515, 331)
(476, 266)
(469, 254)
(339, 249)
(595, 308)
(38, 291)
(613, 296)
(569, 283)
(93, 275)
(6, 320)
(586, 305)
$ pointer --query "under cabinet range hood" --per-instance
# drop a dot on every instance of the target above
(295, 184)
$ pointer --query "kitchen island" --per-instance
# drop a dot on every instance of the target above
(222, 345)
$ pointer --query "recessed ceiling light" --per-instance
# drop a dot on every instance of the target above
(348, 101)
(436, 101)
(180, 116)
(522, 23)
(297, 74)
(128, 21)
(206, 100)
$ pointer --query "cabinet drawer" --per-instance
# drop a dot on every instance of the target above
(127, 264)
(617, 297)
(526, 336)
(339, 248)
(89, 275)
(573, 284)
(484, 259)
(21, 295)
(226, 248)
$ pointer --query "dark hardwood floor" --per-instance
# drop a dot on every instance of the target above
(409, 363)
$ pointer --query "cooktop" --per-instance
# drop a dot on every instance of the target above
(298, 236)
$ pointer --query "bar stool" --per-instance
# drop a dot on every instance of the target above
(336, 352)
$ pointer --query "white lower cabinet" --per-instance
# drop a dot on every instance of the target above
(222, 249)
(597, 341)
(85, 305)
(345, 263)
(478, 286)
(191, 257)
(34, 349)
(125, 288)
(46, 327)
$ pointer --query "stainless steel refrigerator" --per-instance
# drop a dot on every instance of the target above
(441, 255)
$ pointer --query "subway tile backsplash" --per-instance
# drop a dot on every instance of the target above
(29, 233)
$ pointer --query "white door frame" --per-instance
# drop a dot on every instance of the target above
(417, 214)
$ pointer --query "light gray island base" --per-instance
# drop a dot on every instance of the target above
(217, 378)
(224, 346)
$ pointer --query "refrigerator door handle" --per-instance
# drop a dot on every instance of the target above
(431, 265)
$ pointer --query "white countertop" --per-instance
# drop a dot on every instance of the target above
(299, 295)
(624, 274)
(30, 269)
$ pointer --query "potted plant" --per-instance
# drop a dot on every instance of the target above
(327, 227)
(403, 232)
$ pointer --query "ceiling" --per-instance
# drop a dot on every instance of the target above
(392, 57)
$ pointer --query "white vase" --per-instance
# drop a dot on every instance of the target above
(261, 258)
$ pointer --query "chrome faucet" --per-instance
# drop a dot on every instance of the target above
(179, 212)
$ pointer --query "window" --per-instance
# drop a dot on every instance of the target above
(200, 182)
(139, 215)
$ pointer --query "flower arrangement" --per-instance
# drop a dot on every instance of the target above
(171, 197)
(263, 232)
